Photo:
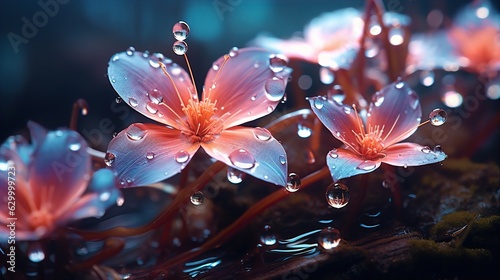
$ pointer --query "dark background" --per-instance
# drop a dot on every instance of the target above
(67, 58)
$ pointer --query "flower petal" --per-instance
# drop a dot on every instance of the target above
(396, 110)
(145, 154)
(247, 84)
(294, 48)
(60, 169)
(344, 163)
(140, 81)
(253, 151)
(411, 154)
(340, 119)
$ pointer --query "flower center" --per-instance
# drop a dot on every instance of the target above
(40, 220)
(201, 124)
(370, 144)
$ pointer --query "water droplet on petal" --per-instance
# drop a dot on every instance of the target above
(282, 159)
(182, 157)
(413, 99)
(303, 131)
(262, 134)
(329, 238)
(367, 165)
(36, 253)
(109, 158)
(145, 54)
(378, 99)
(438, 117)
(277, 62)
(155, 96)
(337, 195)
(347, 109)
(426, 150)
(293, 183)
(241, 158)
(333, 154)
(115, 58)
(75, 146)
(133, 102)
(215, 66)
(130, 51)
(275, 89)
(399, 85)
(234, 175)
(151, 107)
(136, 131)
(268, 237)
(118, 100)
(318, 102)
(180, 30)
(154, 64)
(438, 149)
(180, 47)
(233, 52)
(197, 198)
(150, 155)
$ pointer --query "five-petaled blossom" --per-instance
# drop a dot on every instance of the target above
(242, 86)
(393, 115)
(49, 183)
(331, 39)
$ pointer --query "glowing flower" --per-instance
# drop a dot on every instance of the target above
(393, 115)
(240, 87)
(332, 39)
(48, 183)
(475, 37)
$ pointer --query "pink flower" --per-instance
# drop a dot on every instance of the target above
(240, 87)
(393, 116)
(51, 182)
(332, 39)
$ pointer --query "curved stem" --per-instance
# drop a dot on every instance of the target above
(79, 106)
(241, 222)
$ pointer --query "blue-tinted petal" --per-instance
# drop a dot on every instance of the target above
(411, 154)
(253, 151)
(344, 163)
(144, 154)
(60, 168)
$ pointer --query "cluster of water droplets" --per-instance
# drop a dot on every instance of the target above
(337, 195)
(181, 31)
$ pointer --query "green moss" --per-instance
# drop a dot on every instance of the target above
(452, 222)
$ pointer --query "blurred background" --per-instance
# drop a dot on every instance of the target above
(53, 52)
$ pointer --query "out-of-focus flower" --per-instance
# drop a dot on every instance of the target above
(242, 86)
(394, 114)
(331, 40)
(49, 182)
(475, 37)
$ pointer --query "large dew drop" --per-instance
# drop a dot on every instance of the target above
(329, 238)
(268, 237)
(180, 30)
(234, 175)
(197, 198)
(262, 134)
(277, 62)
(241, 158)
(109, 158)
(337, 195)
(182, 157)
(293, 183)
(136, 131)
(275, 89)
(366, 166)
(438, 117)
(180, 47)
